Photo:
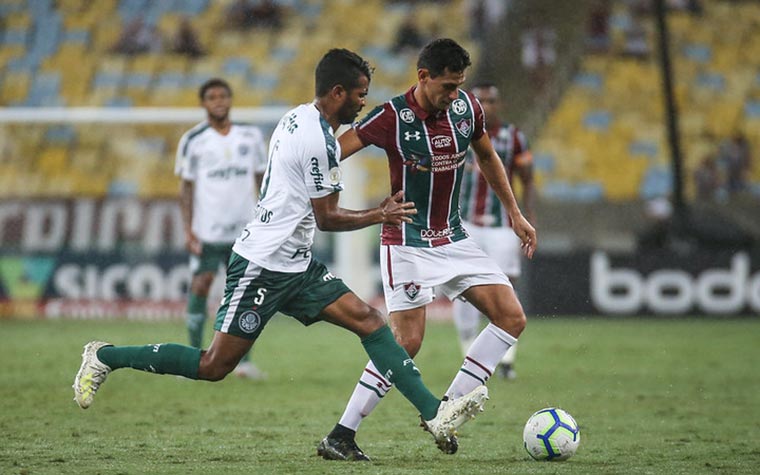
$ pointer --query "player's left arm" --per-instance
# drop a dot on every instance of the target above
(524, 171)
(331, 217)
(493, 170)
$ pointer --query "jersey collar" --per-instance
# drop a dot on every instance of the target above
(414, 105)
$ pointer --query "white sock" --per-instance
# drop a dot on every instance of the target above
(467, 321)
(484, 354)
(367, 394)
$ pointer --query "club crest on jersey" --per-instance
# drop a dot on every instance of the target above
(243, 150)
(459, 106)
(464, 127)
(412, 290)
(408, 136)
(406, 115)
(249, 321)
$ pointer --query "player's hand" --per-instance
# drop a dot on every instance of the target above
(527, 234)
(396, 211)
(193, 244)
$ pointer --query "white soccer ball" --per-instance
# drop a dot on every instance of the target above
(551, 434)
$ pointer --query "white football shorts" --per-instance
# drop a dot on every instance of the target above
(501, 244)
(411, 273)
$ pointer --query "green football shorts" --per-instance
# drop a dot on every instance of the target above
(212, 254)
(253, 295)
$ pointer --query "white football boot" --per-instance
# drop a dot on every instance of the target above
(91, 374)
(452, 414)
(248, 370)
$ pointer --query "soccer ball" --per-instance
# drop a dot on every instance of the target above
(551, 434)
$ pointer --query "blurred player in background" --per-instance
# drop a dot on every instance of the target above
(272, 269)
(425, 133)
(221, 164)
(485, 218)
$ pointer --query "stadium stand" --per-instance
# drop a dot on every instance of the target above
(61, 53)
(606, 133)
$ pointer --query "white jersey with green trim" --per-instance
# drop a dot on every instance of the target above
(222, 169)
(303, 164)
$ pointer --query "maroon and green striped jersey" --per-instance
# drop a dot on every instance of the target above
(426, 155)
(479, 203)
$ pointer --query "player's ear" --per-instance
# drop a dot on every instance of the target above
(422, 74)
(338, 91)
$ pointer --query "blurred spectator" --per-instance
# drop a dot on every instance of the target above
(186, 40)
(635, 45)
(408, 37)
(239, 15)
(598, 39)
(244, 14)
(138, 37)
(267, 14)
(539, 54)
(707, 179)
(484, 15)
(735, 158)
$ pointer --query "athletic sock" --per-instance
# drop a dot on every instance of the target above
(397, 367)
(165, 358)
(482, 358)
(366, 396)
(467, 321)
(196, 318)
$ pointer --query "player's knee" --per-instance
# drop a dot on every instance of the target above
(411, 342)
(515, 323)
(212, 369)
(201, 284)
(371, 320)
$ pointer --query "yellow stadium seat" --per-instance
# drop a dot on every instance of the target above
(15, 87)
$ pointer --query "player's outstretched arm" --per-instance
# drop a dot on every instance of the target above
(493, 169)
(331, 217)
(350, 143)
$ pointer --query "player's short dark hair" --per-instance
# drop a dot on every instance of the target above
(213, 82)
(340, 66)
(442, 54)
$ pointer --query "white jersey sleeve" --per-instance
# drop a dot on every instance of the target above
(321, 170)
(186, 161)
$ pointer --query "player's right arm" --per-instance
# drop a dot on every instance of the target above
(374, 129)
(331, 217)
(185, 167)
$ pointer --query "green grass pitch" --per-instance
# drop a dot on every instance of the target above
(677, 396)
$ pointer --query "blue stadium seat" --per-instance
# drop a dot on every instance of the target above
(544, 162)
(698, 53)
(589, 80)
(647, 148)
(752, 109)
(597, 120)
(657, 182)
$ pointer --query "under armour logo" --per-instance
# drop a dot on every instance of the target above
(409, 136)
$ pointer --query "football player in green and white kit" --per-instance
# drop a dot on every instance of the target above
(272, 269)
(221, 164)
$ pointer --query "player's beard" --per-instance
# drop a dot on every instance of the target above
(348, 113)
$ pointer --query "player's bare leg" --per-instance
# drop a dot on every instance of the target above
(500, 305)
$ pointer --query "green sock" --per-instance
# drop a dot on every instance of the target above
(196, 318)
(167, 358)
(398, 367)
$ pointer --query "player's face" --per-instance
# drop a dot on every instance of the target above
(442, 90)
(355, 101)
(489, 99)
(217, 102)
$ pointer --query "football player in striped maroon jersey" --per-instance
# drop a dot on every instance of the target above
(426, 133)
